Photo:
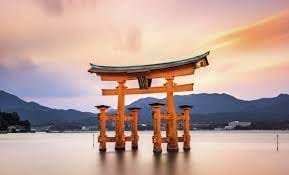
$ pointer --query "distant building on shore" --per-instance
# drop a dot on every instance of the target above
(89, 128)
(235, 124)
(16, 128)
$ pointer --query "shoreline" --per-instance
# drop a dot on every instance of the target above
(94, 132)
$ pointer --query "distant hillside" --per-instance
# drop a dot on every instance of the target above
(223, 107)
(41, 115)
(207, 108)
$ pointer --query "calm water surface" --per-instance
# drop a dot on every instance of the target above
(212, 153)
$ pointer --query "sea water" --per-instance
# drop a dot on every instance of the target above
(212, 153)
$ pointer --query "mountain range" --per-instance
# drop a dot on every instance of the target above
(41, 115)
(224, 108)
(207, 108)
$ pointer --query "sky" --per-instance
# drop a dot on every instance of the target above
(46, 46)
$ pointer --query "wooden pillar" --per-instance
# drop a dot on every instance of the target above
(172, 117)
(186, 122)
(157, 138)
(102, 126)
(134, 133)
(120, 125)
(167, 122)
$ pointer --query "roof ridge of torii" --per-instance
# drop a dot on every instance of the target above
(144, 74)
(146, 67)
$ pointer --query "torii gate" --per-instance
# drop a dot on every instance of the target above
(144, 74)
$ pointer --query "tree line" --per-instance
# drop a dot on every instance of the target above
(12, 119)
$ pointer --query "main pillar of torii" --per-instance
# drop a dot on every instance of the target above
(145, 74)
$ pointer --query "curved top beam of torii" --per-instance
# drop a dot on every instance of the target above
(149, 67)
(145, 73)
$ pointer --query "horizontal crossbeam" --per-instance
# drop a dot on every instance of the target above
(160, 89)
(114, 118)
(113, 139)
(166, 139)
(167, 117)
(176, 71)
(110, 139)
(110, 118)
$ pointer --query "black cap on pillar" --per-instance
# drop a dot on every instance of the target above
(185, 106)
(156, 104)
(134, 108)
(102, 106)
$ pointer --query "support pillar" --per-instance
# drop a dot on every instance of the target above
(134, 133)
(186, 121)
(172, 117)
(102, 126)
(157, 138)
(120, 125)
(167, 122)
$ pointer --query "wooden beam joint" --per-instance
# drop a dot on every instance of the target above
(159, 89)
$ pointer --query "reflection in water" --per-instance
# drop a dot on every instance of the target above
(157, 163)
(125, 163)
(211, 153)
(120, 162)
(171, 163)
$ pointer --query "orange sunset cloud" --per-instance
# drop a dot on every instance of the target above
(270, 32)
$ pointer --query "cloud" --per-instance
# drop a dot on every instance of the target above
(54, 7)
(128, 39)
(17, 63)
(270, 32)
(134, 40)
(58, 7)
(23, 77)
(267, 81)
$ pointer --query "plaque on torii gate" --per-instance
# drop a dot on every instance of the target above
(145, 74)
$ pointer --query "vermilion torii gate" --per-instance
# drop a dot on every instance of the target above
(145, 74)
